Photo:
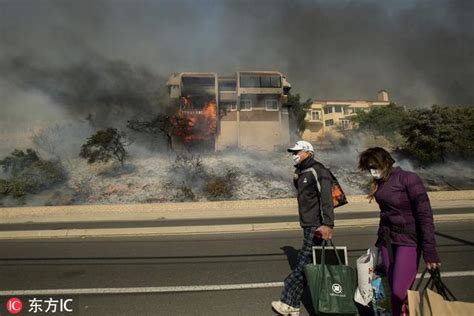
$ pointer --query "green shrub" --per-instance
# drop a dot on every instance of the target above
(29, 174)
(18, 161)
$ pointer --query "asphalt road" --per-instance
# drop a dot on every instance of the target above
(204, 260)
(161, 222)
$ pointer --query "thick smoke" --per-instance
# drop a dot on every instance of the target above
(97, 89)
(420, 51)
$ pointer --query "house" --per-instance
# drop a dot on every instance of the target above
(329, 116)
(241, 110)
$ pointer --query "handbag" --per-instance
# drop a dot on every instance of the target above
(332, 287)
(436, 299)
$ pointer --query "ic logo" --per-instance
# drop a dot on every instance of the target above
(14, 305)
(337, 288)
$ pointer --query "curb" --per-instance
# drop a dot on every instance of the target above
(201, 210)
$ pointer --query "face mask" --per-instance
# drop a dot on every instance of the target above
(296, 159)
(376, 173)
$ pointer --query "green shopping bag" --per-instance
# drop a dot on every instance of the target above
(332, 287)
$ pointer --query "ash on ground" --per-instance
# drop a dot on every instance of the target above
(148, 177)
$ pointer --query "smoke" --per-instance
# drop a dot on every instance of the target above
(420, 51)
(97, 89)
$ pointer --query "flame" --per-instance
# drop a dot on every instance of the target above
(192, 124)
(186, 101)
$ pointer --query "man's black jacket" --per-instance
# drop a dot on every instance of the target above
(311, 211)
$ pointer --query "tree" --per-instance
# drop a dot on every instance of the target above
(298, 110)
(385, 121)
(161, 124)
(433, 135)
(104, 145)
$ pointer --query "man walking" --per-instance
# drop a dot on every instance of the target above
(316, 215)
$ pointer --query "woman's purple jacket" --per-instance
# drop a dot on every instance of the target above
(405, 208)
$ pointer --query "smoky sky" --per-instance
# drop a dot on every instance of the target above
(85, 54)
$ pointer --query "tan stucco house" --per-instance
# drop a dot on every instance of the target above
(330, 116)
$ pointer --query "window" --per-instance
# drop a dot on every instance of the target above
(271, 105)
(264, 81)
(327, 109)
(315, 115)
(198, 86)
(338, 109)
(228, 106)
(270, 82)
(345, 124)
(227, 85)
(246, 105)
(346, 110)
(247, 81)
(275, 81)
(329, 122)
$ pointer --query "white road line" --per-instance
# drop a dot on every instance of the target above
(174, 289)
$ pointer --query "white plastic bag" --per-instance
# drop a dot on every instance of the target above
(365, 274)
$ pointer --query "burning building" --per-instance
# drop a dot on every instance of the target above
(242, 110)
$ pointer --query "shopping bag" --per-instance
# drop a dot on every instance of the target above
(332, 287)
(365, 274)
(417, 302)
(381, 300)
(438, 306)
(414, 302)
(436, 299)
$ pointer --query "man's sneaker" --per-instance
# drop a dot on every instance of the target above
(285, 309)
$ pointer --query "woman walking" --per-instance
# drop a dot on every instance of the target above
(406, 229)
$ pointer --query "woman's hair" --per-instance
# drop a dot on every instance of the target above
(375, 158)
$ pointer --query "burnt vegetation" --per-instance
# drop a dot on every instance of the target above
(162, 125)
(221, 187)
(192, 179)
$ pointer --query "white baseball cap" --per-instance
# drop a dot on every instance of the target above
(301, 145)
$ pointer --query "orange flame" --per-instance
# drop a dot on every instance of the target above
(196, 125)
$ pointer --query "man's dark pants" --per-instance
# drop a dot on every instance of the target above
(295, 282)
